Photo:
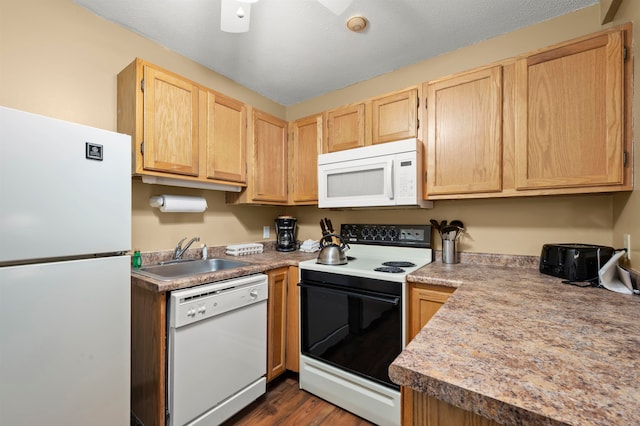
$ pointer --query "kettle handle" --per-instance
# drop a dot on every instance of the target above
(328, 241)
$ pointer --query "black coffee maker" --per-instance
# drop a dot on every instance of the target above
(285, 233)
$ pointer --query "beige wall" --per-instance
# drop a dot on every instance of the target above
(58, 59)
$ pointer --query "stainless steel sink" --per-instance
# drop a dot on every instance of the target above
(172, 270)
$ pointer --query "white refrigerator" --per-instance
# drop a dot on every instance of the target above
(65, 228)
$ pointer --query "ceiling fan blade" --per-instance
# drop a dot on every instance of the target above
(336, 6)
(235, 16)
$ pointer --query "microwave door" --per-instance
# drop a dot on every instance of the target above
(359, 183)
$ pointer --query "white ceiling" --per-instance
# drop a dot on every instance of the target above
(298, 49)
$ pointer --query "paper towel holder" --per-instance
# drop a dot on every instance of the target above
(184, 204)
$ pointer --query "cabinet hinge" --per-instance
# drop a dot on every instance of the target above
(418, 103)
(624, 159)
(418, 121)
(142, 148)
(142, 84)
(625, 53)
(426, 101)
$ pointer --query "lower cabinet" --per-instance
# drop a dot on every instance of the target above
(418, 408)
(424, 302)
(429, 411)
(292, 359)
(283, 347)
(276, 322)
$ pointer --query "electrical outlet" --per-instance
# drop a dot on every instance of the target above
(627, 244)
(266, 232)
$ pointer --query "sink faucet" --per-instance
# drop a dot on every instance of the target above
(180, 251)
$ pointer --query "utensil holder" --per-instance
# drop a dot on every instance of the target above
(449, 251)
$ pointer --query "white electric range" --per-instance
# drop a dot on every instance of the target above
(352, 318)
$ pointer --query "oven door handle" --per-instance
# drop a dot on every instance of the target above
(394, 300)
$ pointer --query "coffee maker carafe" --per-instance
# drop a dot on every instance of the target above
(285, 233)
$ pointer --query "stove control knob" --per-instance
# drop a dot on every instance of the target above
(393, 234)
(365, 232)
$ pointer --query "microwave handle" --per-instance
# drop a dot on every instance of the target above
(388, 180)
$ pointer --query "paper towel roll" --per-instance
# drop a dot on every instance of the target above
(178, 203)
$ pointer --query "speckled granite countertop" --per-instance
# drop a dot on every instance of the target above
(521, 348)
(262, 262)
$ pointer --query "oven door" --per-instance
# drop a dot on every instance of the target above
(355, 329)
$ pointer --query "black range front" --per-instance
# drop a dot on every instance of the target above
(352, 323)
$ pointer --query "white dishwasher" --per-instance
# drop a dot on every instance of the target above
(217, 350)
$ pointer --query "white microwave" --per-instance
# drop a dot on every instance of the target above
(384, 175)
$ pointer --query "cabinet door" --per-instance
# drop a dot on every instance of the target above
(464, 133)
(276, 322)
(269, 161)
(225, 138)
(425, 300)
(170, 123)
(345, 128)
(305, 145)
(292, 357)
(395, 117)
(570, 115)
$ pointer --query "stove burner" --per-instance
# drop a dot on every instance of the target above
(399, 264)
(390, 269)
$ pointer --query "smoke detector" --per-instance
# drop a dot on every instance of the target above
(357, 23)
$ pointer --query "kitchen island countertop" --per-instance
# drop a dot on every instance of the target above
(521, 348)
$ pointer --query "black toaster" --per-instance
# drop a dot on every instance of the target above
(574, 262)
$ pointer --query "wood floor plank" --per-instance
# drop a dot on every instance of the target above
(287, 405)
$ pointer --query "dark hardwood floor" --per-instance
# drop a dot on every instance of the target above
(286, 404)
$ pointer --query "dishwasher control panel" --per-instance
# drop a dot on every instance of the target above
(201, 302)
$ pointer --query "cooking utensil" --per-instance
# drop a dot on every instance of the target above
(331, 253)
(457, 223)
(443, 224)
(435, 224)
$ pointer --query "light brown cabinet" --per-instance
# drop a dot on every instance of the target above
(276, 322)
(386, 118)
(345, 128)
(394, 117)
(224, 133)
(429, 411)
(267, 151)
(292, 358)
(304, 146)
(464, 136)
(424, 302)
(180, 129)
(554, 121)
(570, 117)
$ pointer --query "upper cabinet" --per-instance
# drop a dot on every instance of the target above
(382, 119)
(223, 126)
(464, 133)
(570, 120)
(305, 143)
(267, 152)
(179, 129)
(394, 117)
(346, 128)
(555, 121)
